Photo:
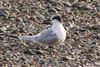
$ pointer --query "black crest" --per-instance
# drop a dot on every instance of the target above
(57, 17)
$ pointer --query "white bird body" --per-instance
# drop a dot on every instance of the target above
(59, 30)
(55, 35)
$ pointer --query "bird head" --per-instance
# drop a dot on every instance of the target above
(53, 19)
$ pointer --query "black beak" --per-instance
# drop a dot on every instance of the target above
(47, 21)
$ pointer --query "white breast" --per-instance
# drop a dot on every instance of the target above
(60, 32)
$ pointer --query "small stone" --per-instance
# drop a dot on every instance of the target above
(39, 52)
(28, 51)
(76, 4)
(64, 59)
(67, 4)
(1, 38)
(2, 13)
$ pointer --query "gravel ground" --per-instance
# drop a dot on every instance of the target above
(24, 17)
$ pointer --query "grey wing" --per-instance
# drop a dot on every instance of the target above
(47, 37)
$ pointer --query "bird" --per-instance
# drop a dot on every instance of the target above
(54, 35)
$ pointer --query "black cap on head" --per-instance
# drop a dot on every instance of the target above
(54, 17)
(57, 17)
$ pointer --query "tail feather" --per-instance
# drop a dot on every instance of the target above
(29, 38)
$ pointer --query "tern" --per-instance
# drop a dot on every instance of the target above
(54, 35)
